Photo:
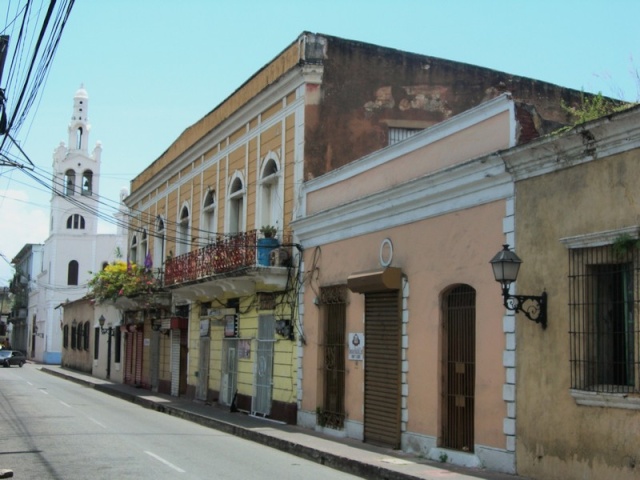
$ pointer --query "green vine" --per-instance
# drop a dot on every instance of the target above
(592, 107)
(624, 243)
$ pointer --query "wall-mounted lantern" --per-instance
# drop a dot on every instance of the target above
(110, 332)
(505, 270)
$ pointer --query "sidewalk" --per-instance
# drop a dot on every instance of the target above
(347, 455)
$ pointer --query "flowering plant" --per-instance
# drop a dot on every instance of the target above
(123, 279)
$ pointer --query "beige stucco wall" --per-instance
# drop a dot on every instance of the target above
(558, 439)
(433, 254)
(78, 358)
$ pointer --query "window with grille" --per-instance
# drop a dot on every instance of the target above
(604, 331)
(334, 306)
(86, 335)
(398, 134)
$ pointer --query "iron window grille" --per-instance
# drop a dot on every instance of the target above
(604, 328)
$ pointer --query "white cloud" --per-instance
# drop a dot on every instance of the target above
(22, 222)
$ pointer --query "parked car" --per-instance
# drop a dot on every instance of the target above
(12, 357)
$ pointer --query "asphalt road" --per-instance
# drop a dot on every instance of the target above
(51, 428)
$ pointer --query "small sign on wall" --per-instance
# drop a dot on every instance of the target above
(356, 346)
(204, 328)
(244, 348)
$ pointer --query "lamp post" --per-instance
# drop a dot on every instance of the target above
(107, 331)
(505, 265)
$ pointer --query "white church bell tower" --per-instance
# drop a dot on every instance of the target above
(75, 175)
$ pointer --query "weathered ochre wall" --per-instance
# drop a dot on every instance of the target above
(557, 439)
(365, 88)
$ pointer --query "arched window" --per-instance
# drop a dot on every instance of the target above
(144, 249)
(69, 182)
(74, 329)
(79, 335)
(96, 343)
(236, 206)
(209, 214)
(72, 273)
(183, 232)
(65, 336)
(87, 330)
(87, 182)
(79, 138)
(158, 243)
(133, 251)
(75, 222)
(270, 199)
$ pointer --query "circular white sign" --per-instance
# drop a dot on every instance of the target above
(386, 252)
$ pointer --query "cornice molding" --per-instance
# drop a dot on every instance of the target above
(584, 143)
(456, 188)
(599, 239)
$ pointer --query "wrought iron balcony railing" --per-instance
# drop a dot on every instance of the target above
(227, 254)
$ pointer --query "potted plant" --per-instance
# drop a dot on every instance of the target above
(267, 244)
(268, 231)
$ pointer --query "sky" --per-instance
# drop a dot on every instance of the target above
(152, 68)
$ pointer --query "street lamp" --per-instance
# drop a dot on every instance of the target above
(505, 265)
(107, 331)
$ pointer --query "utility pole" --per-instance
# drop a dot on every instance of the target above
(4, 48)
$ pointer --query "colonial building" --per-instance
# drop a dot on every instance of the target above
(405, 343)
(73, 247)
(235, 328)
(92, 338)
(577, 227)
(24, 289)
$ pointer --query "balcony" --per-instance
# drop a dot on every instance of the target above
(231, 263)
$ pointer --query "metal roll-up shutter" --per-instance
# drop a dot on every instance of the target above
(382, 369)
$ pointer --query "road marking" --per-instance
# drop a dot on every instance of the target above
(65, 404)
(160, 459)
(44, 391)
(97, 422)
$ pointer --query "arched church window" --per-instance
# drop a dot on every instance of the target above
(75, 222)
(69, 182)
(72, 273)
(79, 138)
(87, 182)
